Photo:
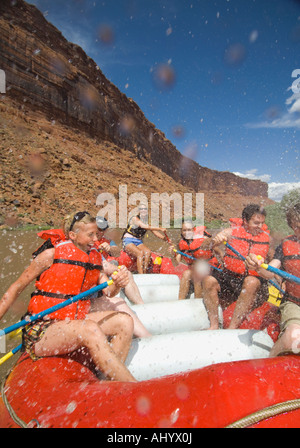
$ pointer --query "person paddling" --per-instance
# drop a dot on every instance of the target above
(199, 258)
(71, 267)
(236, 282)
(53, 237)
(133, 238)
(287, 257)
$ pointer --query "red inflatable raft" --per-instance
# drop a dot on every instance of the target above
(62, 393)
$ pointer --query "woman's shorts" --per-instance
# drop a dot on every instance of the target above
(136, 241)
(33, 333)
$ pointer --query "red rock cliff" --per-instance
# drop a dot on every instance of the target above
(56, 77)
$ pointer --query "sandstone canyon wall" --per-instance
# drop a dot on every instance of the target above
(54, 80)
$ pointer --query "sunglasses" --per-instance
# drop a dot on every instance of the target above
(78, 217)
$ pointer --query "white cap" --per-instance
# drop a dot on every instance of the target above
(101, 222)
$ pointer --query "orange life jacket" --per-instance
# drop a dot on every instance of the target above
(73, 271)
(245, 243)
(55, 235)
(200, 231)
(193, 247)
(52, 237)
(291, 264)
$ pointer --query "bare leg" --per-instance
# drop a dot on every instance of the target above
(245, 301)
(185, 284)
(119, 304)
(132, 291)
(211, 289)
(64, 337)
(135, 252)
(139, 330)
(146, 257)
(119, 326)
(289, 342)
(198, 289)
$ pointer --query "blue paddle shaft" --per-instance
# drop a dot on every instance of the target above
(193, 258)
(54, 308)
(235, 251)
(185, 255)
(16, 349)
(283, 274)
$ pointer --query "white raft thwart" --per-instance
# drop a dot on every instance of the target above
(174, 317)
(179, 352)
(156, 279)
(158, 293)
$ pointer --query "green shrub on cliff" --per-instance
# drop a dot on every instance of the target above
(276, 219)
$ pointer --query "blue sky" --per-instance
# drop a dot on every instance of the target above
(229, 65)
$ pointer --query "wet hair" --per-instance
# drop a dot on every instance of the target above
(293, 214)
(251, 210)
(188, 221)
(71, 221)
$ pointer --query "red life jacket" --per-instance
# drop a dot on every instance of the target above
(193, 247)
(73, 271)
(291, 264)
(245, 243)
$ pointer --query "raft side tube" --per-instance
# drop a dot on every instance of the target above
(180, 352)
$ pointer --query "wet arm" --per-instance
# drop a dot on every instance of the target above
(37, 266)
(218, 254)
(142, 225)
(120, 278)
(254, 263)
(114, 251)
(178, 258)
(221, 237)
(158, 235)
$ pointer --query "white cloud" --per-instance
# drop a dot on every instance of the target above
(286, 121)
(276, 190)
(289, 119)
(296, 106)
(252, 174)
